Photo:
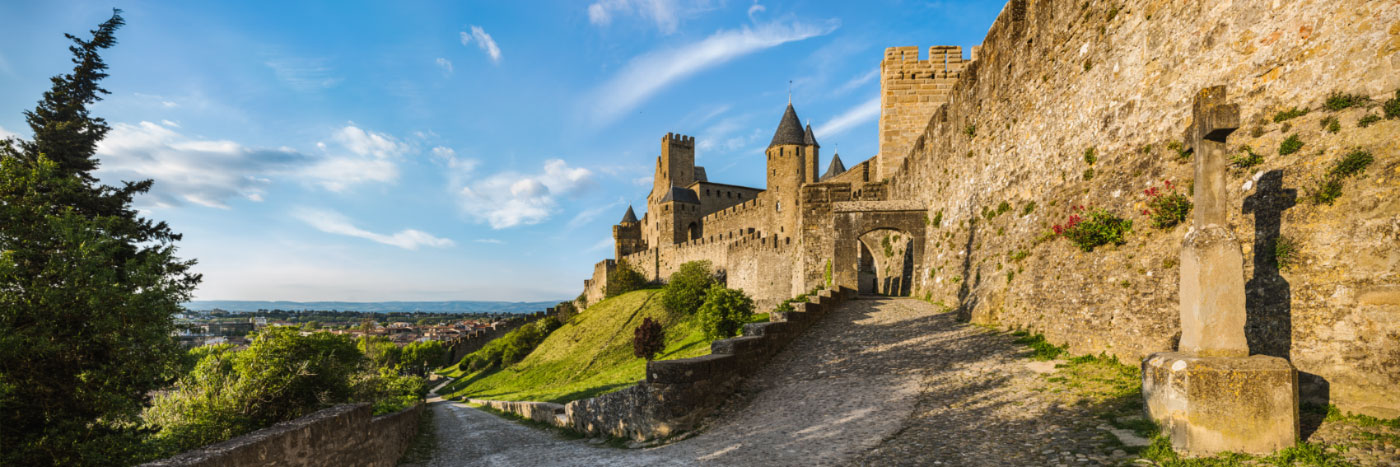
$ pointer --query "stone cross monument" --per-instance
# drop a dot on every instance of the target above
(1211, 396)
(1212, 267)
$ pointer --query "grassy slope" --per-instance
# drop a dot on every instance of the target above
(588, 356)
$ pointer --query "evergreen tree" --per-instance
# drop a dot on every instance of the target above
(87, 287)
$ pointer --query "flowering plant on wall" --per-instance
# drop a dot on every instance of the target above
(1166, 208)
(1095, 228)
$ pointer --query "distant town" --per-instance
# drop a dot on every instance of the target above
(218, 326)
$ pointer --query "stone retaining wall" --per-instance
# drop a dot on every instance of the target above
(678, 394)
(338, 436)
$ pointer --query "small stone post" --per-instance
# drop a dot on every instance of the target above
(1211, 396)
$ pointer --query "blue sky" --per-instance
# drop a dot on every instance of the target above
(346, 150)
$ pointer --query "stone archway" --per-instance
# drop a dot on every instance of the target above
(888, 235)
(886, 262)
(693, 232)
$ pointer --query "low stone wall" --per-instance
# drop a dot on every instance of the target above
(678, 394)
(338, 436)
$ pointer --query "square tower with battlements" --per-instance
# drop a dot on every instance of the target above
(910, 92)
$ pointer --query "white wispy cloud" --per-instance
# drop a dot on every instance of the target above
(856, 82)
(509, 199)
(665, 13)
(604, 244)
(360, 156)
(304, 74)
(336, 223)
(588, 215)
(649, 73)
(754, 10)
(189, 170)
(483, 41)
(492, 241)
(445, 64)
(865, 112)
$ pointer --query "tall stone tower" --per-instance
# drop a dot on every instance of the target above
(675, 166)
(910, 92)
(787, 169)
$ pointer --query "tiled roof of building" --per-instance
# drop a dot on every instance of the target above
(808, 138)
(681, 195)
(836, 168)
(789, 129)
(700, 174)
(630, 216)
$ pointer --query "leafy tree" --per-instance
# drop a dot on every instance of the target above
(685, 292)
(381, 352)
(648, 339)
(418, 357)
(281, 376)
(724, 313)
(624, 279)
(87, 287)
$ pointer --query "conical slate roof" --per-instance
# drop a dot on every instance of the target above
(789, 129)
(808, 138)
(630, 216)
(836, 167)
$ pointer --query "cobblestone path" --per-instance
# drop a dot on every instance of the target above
(878, 382)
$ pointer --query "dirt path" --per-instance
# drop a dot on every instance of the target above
(878, 381)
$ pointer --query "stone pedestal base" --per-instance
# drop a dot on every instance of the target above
(1215, 404)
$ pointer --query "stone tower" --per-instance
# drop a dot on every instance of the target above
(788, 158)
(627, 235)
(675, 166)
(910, 91)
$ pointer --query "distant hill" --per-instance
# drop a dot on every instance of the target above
(376, 307)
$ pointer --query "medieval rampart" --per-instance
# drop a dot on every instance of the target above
(1084, 104)
(338, 436)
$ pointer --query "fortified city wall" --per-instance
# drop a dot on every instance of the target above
(1055, 79)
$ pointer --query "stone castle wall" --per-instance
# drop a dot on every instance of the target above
(1055, 79)
(337, 436)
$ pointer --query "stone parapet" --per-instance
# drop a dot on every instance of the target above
(338, 436)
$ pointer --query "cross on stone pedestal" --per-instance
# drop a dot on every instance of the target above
(1210, 396)
(1212, 266)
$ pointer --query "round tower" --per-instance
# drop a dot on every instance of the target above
(788, 160)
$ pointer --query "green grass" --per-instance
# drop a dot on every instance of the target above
(1289, 114)
(1340, 100)
(1290, 145)
(1041, 349)
(588, 356)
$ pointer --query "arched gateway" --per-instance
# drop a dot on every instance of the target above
(878, 246)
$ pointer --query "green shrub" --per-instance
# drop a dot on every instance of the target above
(1028, 209)
(724, 313)
(970, 130)
(1368, 120)
(1355, 162)
(1182, 154)
(1392, 106)
(1331, 124)
(937, 219)
(1246, 160)
(826, 275)
(1166, 209)
(1290, 145)
(1289, 114)
(1100, 228)
(1327, 191)
(1088, 174)
(624, 279)
(648, 339)
(1339, 100)
(685, 292)
(1089, 156)
(1041, 349)
(1285, 252)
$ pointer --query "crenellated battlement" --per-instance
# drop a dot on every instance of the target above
(677, 139)
(911, 89)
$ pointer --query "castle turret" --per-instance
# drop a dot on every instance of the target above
(836, 167)
(811, 163)
(627, 235)
(787, 169)
(675, 166)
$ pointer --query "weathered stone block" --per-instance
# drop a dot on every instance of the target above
(1212, 294)
(689, 369)
(739, 345)
(1215, 404)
